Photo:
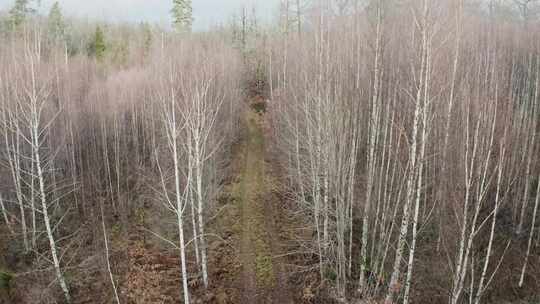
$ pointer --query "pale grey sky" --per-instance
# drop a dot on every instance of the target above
(206, 12)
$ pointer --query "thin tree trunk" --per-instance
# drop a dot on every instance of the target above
(179, 205)
(371, 161)
(5, 215)
(200, 209)
(113, 283)
(419, 186)
(44, 207)
(394, 286)
(487, 257)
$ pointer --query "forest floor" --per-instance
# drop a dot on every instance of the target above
(263, 277)
(252, 222)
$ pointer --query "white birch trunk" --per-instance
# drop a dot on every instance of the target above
(373, 133)
(394, 286)
(5, 215)
(44, 207)
(200, 210)
(113, 283)
(487, 257)
(422, 160)
(178, 194)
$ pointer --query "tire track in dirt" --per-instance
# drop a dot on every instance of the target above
(262, 278)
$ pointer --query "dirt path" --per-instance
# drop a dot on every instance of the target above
(262, 279)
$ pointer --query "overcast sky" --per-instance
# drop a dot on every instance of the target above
(206, 12)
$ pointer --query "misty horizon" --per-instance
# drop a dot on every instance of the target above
(206, 13)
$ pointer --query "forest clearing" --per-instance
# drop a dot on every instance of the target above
(325, 151)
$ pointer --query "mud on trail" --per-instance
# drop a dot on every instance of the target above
(246, 268)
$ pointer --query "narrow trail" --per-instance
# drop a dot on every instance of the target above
(262, 279)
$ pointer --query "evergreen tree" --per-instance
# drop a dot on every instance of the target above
(19, 13)
(182, 13)
(56, 23)
(97, 46)
(147, 38)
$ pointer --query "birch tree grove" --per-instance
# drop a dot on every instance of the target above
(178, 202)
(33, 117)
(345, 151)
(438, 107)
(89, 148)
(196, 103)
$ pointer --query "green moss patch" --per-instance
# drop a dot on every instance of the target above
(259, 107)
(5, 280)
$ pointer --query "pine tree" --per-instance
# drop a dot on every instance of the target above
(147, 38)
(97, 46)
(19, 13)
(56, 22)
(182, 13)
